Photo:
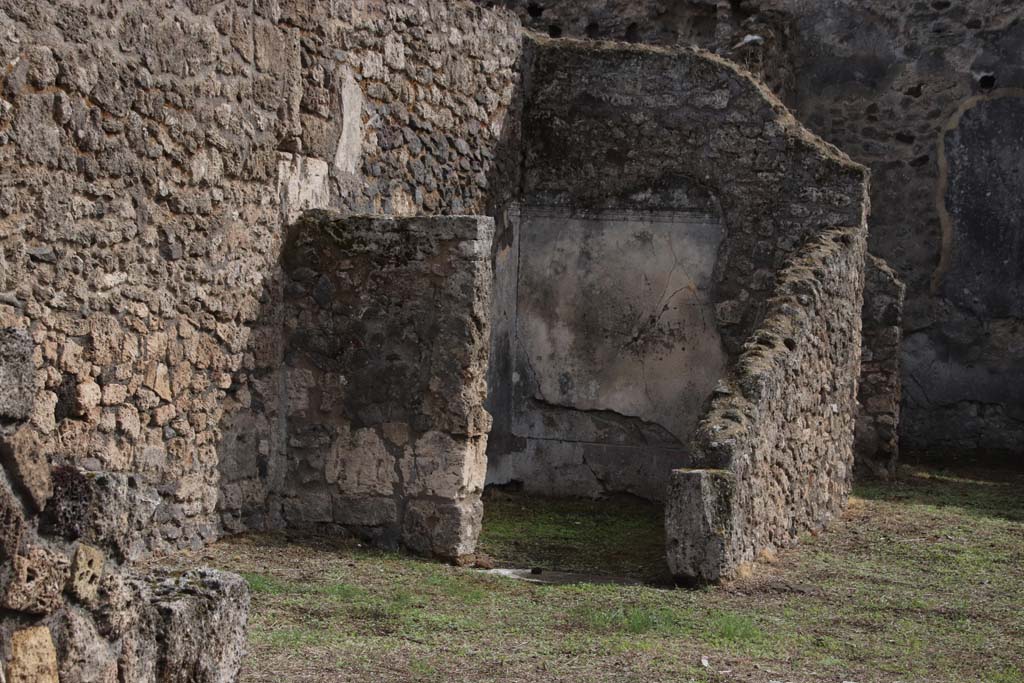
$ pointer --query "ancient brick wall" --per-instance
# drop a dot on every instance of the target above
(687, 163)
(773, 456)
(150, 157)
(386, 339)
(930, 96)
(879, 391)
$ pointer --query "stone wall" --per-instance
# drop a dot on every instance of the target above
(150, 155)
(930, 96)
(877, 444)
(773, 456)
(660, 191)
(386, 343)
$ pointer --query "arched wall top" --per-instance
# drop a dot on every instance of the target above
(602, 121)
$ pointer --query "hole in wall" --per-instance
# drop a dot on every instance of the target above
(633, 33)
(555, 31)
(535, 10)
(593, 30)
(987, 82)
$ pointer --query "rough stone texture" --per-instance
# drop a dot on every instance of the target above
(386, 344)
(12, 523)
(33, 657)
(36, 582)
(196, 623)
(22, 455)
(596, 389)
(17, 374)
(86, 572)
(877, 442)
(614, 355)
(149, 156)
(930, 96)
(773, 456)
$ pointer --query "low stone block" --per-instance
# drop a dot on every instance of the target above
(445, 529)
(37, 581)
(200, 625)
(84, 655)
(24, 458)
(699, 523)
(33, 657)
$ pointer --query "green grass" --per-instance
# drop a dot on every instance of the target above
(921, 582)
(623, 536)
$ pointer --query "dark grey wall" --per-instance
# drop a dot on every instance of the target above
(929, 96)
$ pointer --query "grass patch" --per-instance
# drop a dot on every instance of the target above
(623, 536)
(730, 628)
(922, 580)
(630, 620)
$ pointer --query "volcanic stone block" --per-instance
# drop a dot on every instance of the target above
(12, 523)
(37, 580)
(22, 454)
(83, 654)
(86, 571)
(33, 657)
(17, 374)
(200, 625)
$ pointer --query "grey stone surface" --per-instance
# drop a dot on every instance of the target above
(597, 379)
(614, 345)
(773, 457)
(17, 374)
(386, 345)
(150, 155)
(928, 95)
(880, 388)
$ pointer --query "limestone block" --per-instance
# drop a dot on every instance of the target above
(33, 657)
(445, 529)
(17, 374)
(363, 511)
(445, 466)
(37, 580)
(699, 524)
(86, 572)
(359, 463)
